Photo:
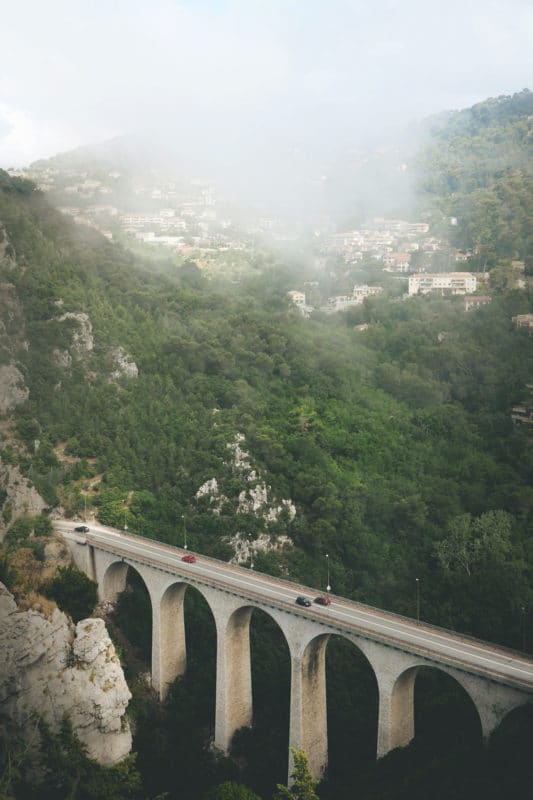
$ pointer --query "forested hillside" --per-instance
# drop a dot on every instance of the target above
(381, 441)
(477, 167)
(395, 446)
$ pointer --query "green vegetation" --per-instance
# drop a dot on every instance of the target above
(231, 791)
(396, 446)
(303, 786)
(477, 168)
(381, 441)
(62, 771)
(73, 592)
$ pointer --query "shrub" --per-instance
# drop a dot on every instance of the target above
(73, 592)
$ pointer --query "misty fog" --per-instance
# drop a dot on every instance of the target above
(251, 91)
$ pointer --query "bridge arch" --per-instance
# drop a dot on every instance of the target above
(404, 701)
(322, 681)
(124, 585)
(234, 667)
(396, 649)
(114, 581)
(169, 642)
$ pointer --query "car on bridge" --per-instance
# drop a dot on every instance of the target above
(82, 529)
(323, 600)
(303, 601)
(189, 559)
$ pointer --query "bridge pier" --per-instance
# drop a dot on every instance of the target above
(496, 681)
(308, 727)
(396, 719)
(169, 650)
(234, 707)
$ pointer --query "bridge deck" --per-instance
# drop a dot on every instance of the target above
(342, 616)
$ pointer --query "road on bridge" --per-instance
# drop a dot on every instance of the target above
(342, 616)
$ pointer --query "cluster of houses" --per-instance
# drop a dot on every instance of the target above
(390, 242)
(442, 283)
(334, 304)
(180, 215)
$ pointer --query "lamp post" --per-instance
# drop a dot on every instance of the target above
(85, 508)
(184, 532)
(417, 599)
(125, 509)
(251, 551)
(328, 587)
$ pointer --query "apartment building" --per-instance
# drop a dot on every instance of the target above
(443, 283)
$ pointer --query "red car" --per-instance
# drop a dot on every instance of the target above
(323, 600)
(189, 559)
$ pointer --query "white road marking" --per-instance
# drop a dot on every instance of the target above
(266, 588)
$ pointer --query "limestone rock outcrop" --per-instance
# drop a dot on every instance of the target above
(82, 338)
(17, 497)
(13, 391)
(54, 668)
(255, 500)
(124, 364)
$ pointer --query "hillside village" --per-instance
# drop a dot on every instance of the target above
(179, 215)
(189, 218)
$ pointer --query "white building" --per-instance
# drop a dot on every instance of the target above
(298, 298)
(340, 303)
(360, 292)
(444, 282)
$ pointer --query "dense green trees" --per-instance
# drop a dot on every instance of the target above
(231, 791)
(74, 592)
(61, 770)
(476, 167)
(397, 447)
(303, 787)
(381, 441)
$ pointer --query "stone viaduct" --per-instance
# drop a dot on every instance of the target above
(497, 680)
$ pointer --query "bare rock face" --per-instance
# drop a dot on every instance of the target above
(56, 669)
(19, 498)
(62, 358)
(123, 363)
(12, 388)
(256, 500)
(82, 339)
(7, 254)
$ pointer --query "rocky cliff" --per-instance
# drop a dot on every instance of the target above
(18, 498)
(53, 668)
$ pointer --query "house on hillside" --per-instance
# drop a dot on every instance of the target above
(524, 321)
(360, 292)
(297, 299)
(442, 283)
(397, 262)
(474, 301)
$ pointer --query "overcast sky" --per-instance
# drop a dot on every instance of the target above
(311, 72)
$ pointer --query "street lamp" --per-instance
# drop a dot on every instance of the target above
(184, 532)
(125, 523)
(417, 599)
(251, 551)
(328, 587)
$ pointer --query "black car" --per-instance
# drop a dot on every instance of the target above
(303, 601)
(82, 529)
